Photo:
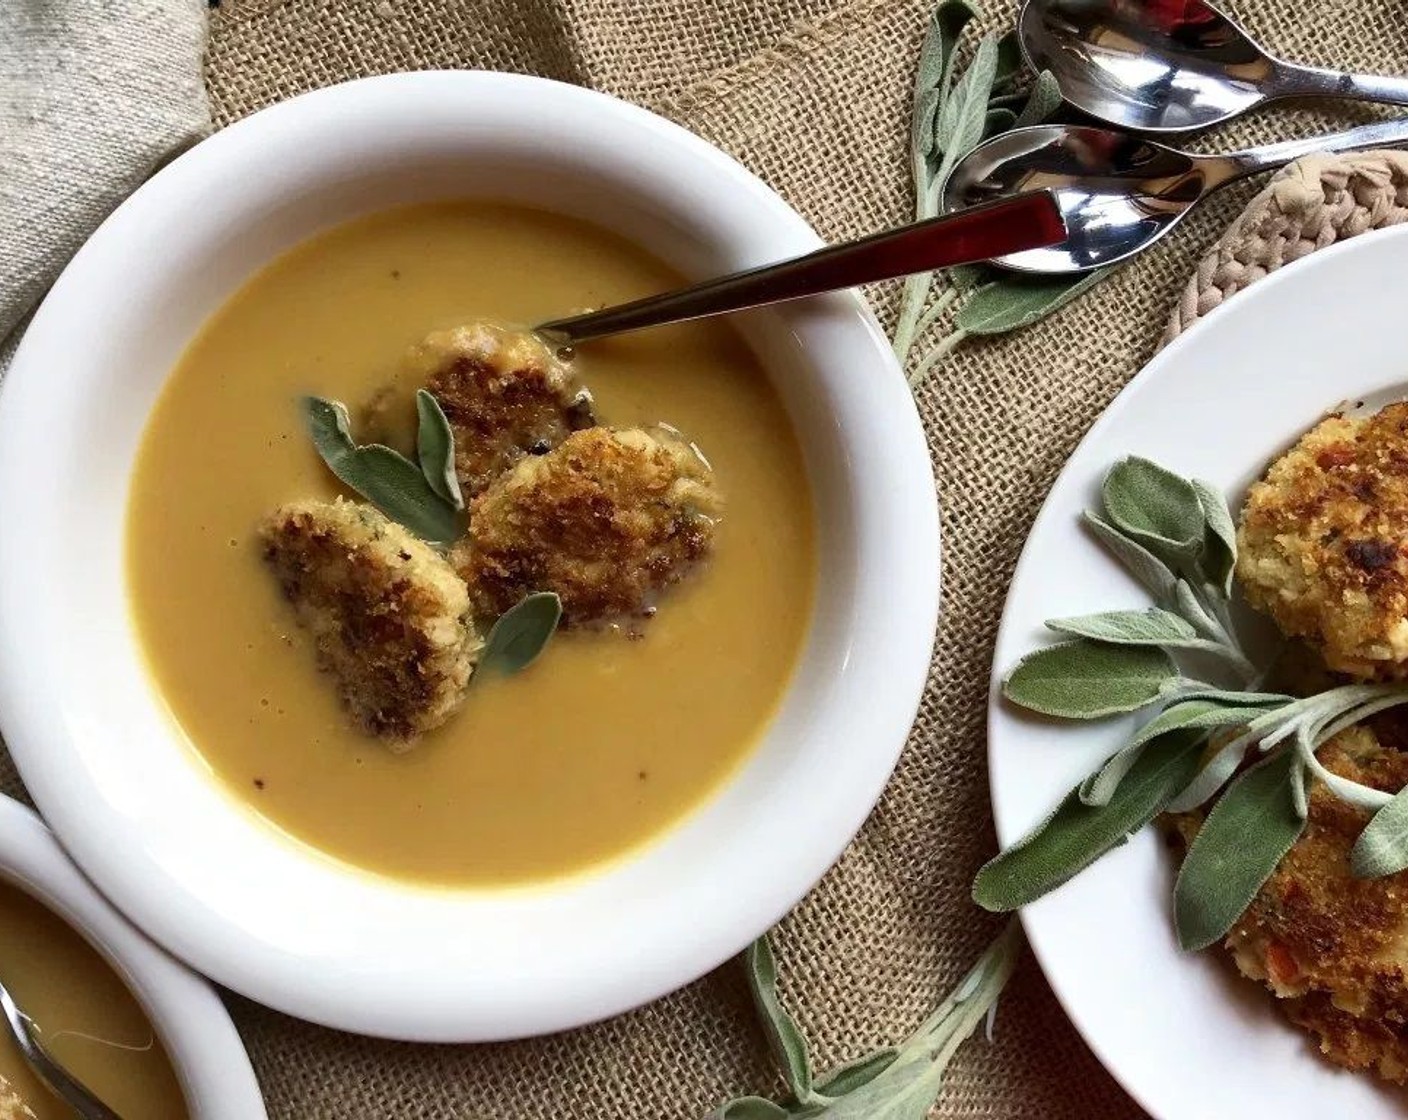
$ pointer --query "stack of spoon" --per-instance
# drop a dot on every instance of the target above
(1146, 67)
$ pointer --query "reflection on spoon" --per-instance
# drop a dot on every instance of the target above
(1118, 193)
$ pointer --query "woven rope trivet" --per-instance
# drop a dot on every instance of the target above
(1313, 203)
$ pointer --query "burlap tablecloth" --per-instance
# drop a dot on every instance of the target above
(813, 95)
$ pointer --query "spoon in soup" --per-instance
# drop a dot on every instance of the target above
(60, 1082)
(1120, 193)
(977, 234)
(1171, 67)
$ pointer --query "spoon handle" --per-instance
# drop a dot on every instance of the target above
(1312, 81)
(1382, 134)
(1031, 221)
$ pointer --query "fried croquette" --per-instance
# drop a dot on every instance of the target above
(1321, 543)
(607, 520)
(388, 615)
(1332, 947)
(505, 394)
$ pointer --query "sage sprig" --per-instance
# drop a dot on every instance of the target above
(952, 114)
(424, 498)
(520, 633)
(894, 1083)
(1181, 661)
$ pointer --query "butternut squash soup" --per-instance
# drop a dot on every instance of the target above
(338, 666)
(85, 1017)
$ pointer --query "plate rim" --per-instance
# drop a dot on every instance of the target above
(1246, 301)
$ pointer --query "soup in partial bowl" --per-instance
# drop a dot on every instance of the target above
(401, 669)
(139, 1031)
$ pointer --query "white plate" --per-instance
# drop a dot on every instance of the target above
(222, 888)
(1184, 1036)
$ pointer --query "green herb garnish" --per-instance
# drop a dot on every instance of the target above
(895, 1083)
(951, 116)
(520, 634)
(1177, 537)
(425, 499)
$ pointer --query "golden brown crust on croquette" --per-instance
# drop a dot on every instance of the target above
(1321, 547)
(607, 520)
(505, 394)
(1333, 947)
(387, 613)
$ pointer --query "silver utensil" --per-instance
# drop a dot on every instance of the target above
(1166, 67)
(979, 233)
(60, 1082)
(1120, 193)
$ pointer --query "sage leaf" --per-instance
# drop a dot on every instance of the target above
(386, 478)
(958, 127)
(1263, 701)
(1198, 715)
(788, 1045)
(1044, 99)
(1097, 788)
(1151, 627)
(932, 77)
(1219, 556)
(1382, 848)
(1142, 564)
(1014, 302)
(1155, 508)
(851, 1076)
(1244, 837)
(1087, 680)
(435, 448)
(1076, 834)
(1009, 61)
(520, 634)
(998, 120)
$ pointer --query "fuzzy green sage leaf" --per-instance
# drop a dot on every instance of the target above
(1156, 508)
(788, 1045)
(1219, 556)
(1151, 627)
(1382, 848)
(1087, 680)
(386, 478)
(1013, 302)
(1244, 837)
(435, 448)
(1043, 100)
(520, 634)
(1076, 834)
(851, 1076)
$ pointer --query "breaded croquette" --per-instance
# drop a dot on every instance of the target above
(1335, 948)
(1321, 544)
(505, 394)
(607, 520)
(387, 613)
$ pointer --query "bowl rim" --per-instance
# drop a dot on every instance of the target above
(206, 1051)
(901, 584)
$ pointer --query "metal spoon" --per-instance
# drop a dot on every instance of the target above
(1169, 67)
(979, 233)
(62, 1083)
(1120, 193)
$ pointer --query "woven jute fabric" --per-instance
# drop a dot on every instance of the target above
(813, 95)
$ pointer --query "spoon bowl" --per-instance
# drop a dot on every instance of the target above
(1117, 193)
(1155, 67)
